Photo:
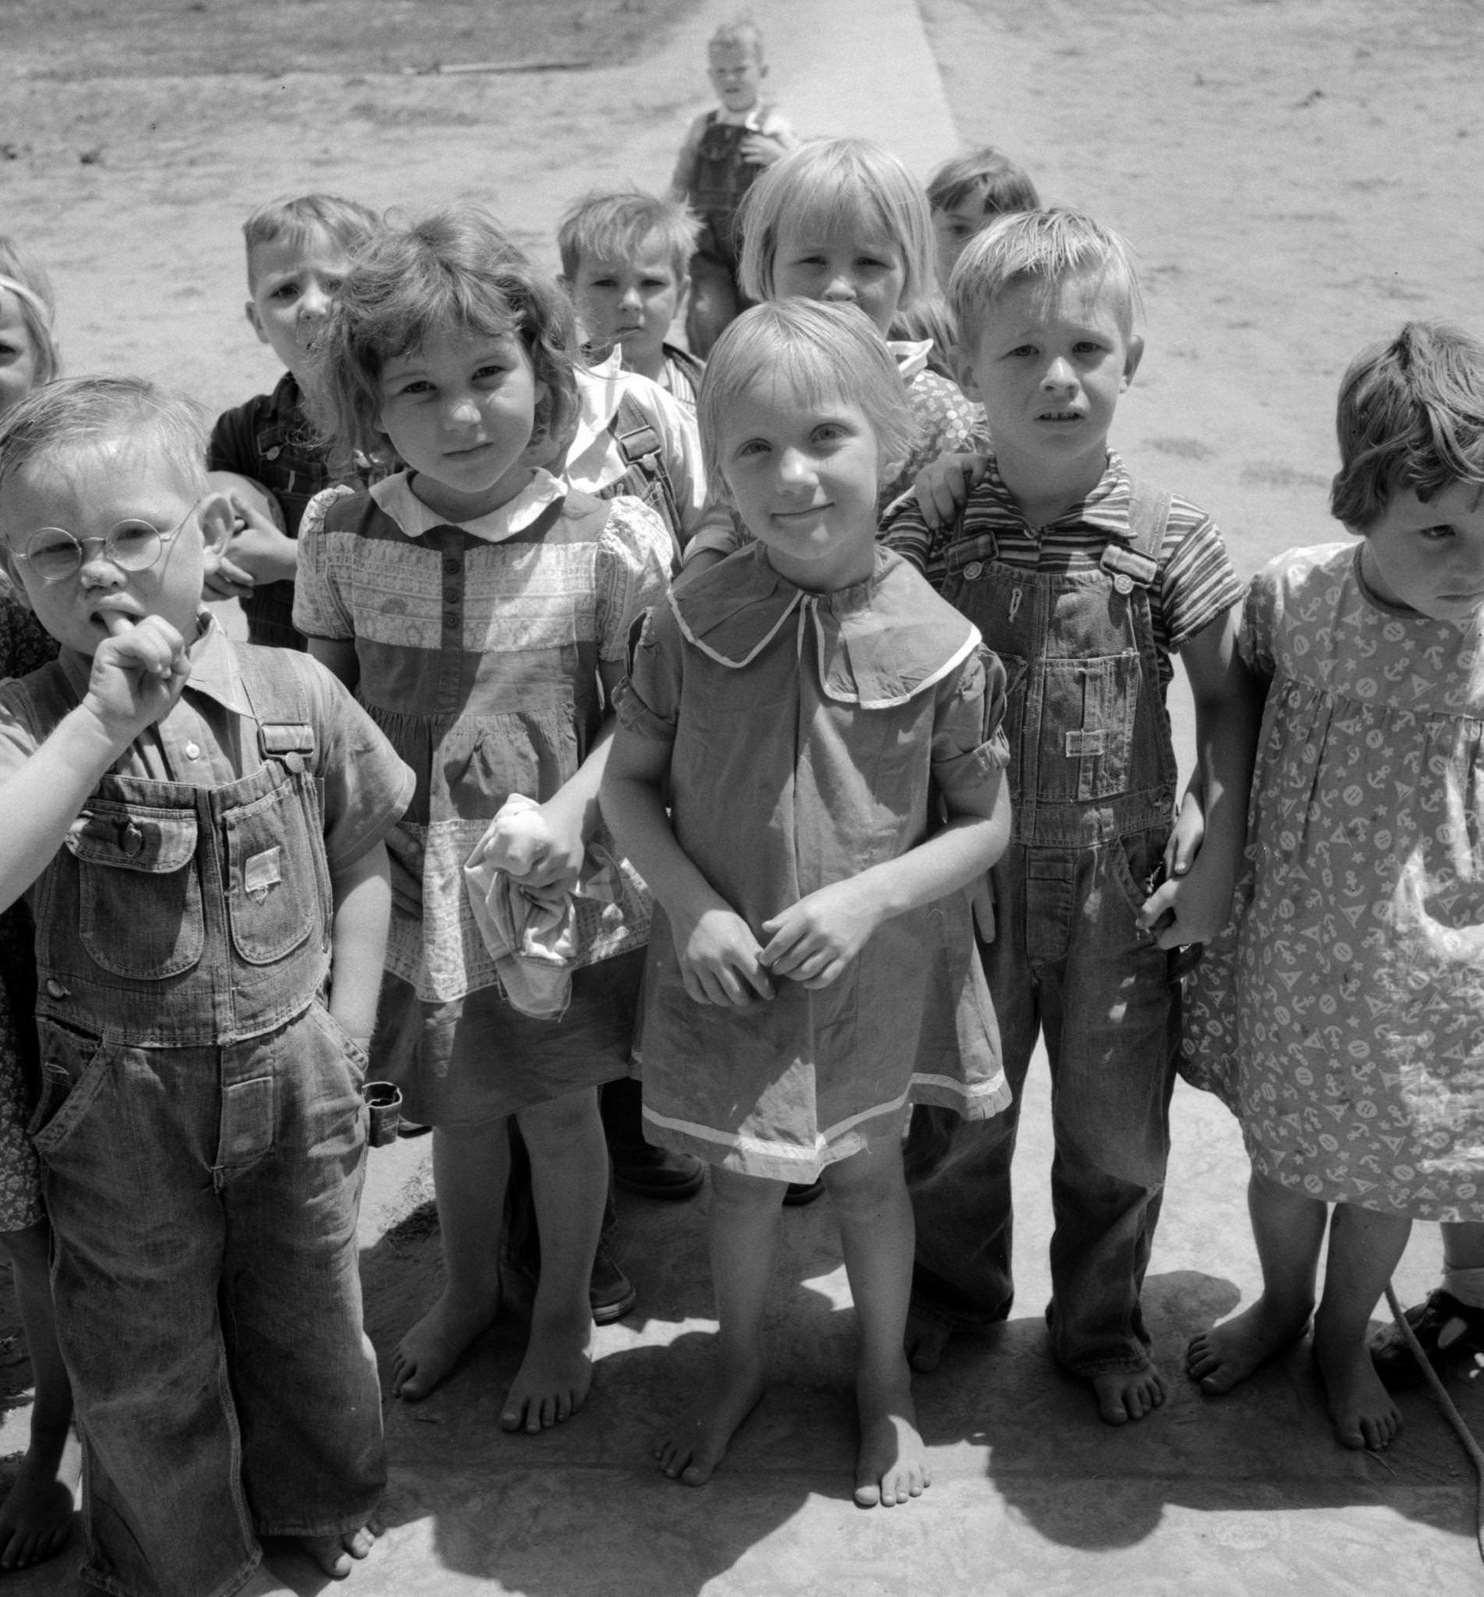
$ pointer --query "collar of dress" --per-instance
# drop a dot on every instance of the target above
(395, 496)
(876, 644)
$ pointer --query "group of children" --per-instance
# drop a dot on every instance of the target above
(815, 833)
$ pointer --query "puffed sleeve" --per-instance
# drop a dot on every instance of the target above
(969, 752)
(1259, 614)
(321, 587)
(648, 700)
(633, 571)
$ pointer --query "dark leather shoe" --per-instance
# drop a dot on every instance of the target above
(657, 1172)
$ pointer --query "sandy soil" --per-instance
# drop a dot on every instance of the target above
(1298, 176)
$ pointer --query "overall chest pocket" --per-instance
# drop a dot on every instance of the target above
(277, 884)
(1085, 740)
(139, 897)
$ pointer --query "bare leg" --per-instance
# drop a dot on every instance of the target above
(36, 1517)
(744, 1239)
(1364, 1248)
(869, 1194)
(470, 1166)
(1289, 1230)
(569, 1185)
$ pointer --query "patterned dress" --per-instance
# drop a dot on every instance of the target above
(1342, 1015)
(479, 647)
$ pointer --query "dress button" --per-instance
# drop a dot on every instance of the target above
(450, 565)
(974, 570)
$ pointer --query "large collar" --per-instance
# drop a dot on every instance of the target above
(877, 644)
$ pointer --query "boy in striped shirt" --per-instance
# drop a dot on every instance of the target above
(1086, 582)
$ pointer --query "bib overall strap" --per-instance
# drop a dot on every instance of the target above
(1135, 563)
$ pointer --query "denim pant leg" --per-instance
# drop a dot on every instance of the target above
(1111, 1020)
(127, 1139)
(293, 1142)
(958, 1172)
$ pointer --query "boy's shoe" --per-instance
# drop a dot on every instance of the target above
(1449, 1332)
(800, 1193)
(656, 1172)
(610, 1292)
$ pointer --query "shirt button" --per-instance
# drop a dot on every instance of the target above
(193, 751)
(974, 570)
(54, 988)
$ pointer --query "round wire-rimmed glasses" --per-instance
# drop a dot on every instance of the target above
(55, 554)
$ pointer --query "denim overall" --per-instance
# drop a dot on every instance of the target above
(201, 1133)
(722, 177)
(1092, 774)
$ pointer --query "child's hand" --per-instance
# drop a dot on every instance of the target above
(943, 485)
(1188, 909)
(138, 672)
(760, 150)
(1188, 834)
(720, 962)
(524, 841)
(814, 941)
(260, 551)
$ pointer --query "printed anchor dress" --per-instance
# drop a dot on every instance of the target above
(1344, 1021)
(810, 735)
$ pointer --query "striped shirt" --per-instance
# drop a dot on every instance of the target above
(1195, 582)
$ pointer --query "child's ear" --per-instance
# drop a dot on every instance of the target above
(255, 321)
(218, 521)
(1132, 356)
(12, 583)
(961, 359)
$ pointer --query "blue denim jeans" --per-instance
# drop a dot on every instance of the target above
(206, 1277)
(1067, 961)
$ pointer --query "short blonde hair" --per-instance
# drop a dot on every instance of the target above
(821, 352)
(75, 412)
(1040, 246)
(741, 34)
(616, 227)
(836, 186)
(32, 288)
(1410, 416)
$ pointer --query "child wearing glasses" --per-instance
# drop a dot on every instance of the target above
(197, 828)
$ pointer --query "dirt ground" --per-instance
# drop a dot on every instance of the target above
(1298, 177)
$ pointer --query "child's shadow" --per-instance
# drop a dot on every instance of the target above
(583, 1508)
(1264, 1448)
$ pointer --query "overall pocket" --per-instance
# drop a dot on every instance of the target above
(73, 1070)
(276, 894)
(1086, 740)
(139, 900)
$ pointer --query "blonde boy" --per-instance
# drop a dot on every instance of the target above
(624, 262)
(198, 831)
(724, 150)
(1085, 581)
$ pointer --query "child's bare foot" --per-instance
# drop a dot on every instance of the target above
(36, 1517)
(429, 1351)
(1125, 1395)
(699, 1442)
(336, 1555)
(553, 1379)
(926, 1342)
(892, 1465)
(1227, 1354)
(1360, 1408)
